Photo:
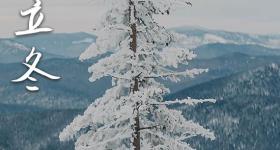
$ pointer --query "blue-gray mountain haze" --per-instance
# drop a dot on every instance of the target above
(244, 76)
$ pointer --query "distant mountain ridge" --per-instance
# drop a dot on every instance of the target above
(57, 45)
(262, 81)
(222, 66)
(219, 49)
(12, 51)
(196, 36)
(68, 45)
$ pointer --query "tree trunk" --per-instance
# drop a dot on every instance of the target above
(133, 36)
(133, 47)
(135, 88)
(136, 138)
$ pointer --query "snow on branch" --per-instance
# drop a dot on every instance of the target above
(188, 101)
(190, 73)
(169, 143)
(172, 56)
(178, 127)
(139, 51)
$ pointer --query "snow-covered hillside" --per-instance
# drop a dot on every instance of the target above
(197, 36)
(246, 115)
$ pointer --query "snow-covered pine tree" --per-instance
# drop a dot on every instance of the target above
(133, 114)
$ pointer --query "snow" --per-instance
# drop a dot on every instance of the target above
(274, 66)
(197, 36)
(86, 40)
(188, 101)
(16, 45)
(274, 43)
(211, 38)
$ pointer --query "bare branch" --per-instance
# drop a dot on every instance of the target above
(189, 3)
(118, 77)
(152, 127)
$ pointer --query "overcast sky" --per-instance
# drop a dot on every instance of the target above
(250, 16)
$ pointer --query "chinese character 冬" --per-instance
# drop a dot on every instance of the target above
(32, 25)
(32, 68)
